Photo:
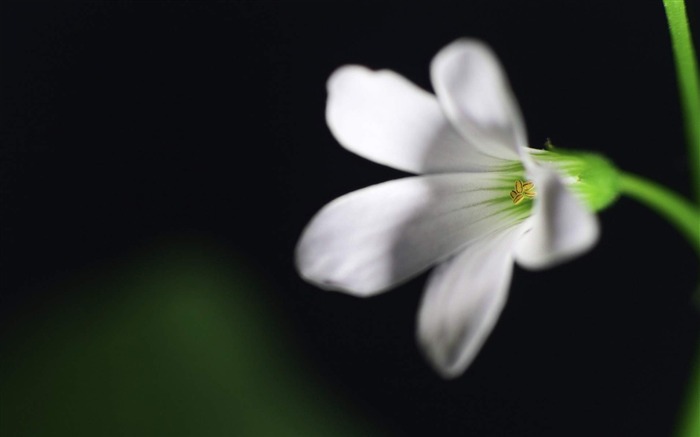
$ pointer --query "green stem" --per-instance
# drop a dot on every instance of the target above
(689, 425)
(688, 82)
(679, 211)
(689, 88)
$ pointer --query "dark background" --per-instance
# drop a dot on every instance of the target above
(124, 124)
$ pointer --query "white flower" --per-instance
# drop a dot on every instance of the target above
(472, 211)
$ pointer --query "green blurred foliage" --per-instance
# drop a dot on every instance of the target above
(176, 342)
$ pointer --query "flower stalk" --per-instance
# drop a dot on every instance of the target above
(680, 212)
(688, 82)
(689, 425)
(689, 90)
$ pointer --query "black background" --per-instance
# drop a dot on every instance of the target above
(125, 123)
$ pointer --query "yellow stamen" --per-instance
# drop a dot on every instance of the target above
(522, 190)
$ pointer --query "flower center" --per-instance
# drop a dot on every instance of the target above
(523, 189)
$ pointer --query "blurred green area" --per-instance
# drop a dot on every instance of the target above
(178, 341)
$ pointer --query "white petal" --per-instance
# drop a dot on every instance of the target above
(463, 300)
(474, 94)
(372, 239)
(385, 118)
(562, 227)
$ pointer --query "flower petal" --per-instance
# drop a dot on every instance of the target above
(385, 118)
(562, 227)
(372, 239)
(474, 94)
(463, 299)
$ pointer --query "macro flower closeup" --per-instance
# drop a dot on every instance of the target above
(479, 200)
